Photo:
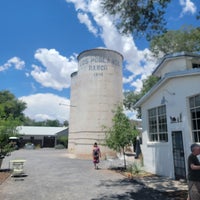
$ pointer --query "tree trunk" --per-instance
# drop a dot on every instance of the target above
(124, 159)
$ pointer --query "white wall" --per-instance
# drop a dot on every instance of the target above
(158, 157)
(170, 65)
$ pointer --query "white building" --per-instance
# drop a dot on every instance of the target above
(171, 115)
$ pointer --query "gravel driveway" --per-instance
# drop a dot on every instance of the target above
(53, 175)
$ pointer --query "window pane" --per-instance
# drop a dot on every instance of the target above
(197, 100)
(161, 110)
(152, 112)
(194, 125)
(198, 124)
(192, 102)
(162, 119)
(198, 112)
(195, 117)
(196, 135)
(158, 124)
(193, 113)
(163, 137)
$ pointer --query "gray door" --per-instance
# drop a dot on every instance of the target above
(178, 155)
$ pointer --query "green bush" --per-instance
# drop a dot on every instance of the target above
(63, 140)
(135, 168)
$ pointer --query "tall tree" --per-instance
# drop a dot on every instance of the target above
(140, 17)
(11, 106)
(48, 122)
(11, 115)
(121, 133)
(186, 39)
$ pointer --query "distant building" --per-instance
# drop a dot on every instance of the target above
(41, 136)
(171, 115)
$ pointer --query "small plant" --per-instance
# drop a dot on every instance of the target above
(135, 168)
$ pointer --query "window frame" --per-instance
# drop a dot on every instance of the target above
(157, 124)
(194, 106)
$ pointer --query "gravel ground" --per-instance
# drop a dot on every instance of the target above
(54, 175)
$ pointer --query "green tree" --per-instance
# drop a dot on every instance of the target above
(138, 17)
(121, 133)
(186, 39)
(11, 116)
(66, 123)
(53, 123)
(63, 140)
(7, 129)
(11, 106)
(130, 98)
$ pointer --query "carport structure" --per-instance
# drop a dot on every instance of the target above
(41, 136)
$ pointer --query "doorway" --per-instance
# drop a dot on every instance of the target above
(178, 155)
(49, 141)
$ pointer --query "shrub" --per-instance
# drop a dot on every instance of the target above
(135, 168)
(63, 140)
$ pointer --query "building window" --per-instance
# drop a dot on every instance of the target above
(195, 117)
(158, 124)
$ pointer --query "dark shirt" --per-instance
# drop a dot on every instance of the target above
(193, 175)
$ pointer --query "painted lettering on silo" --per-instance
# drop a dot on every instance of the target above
(99, 85)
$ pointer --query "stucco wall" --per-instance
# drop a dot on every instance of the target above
(158, 157)
(95, 91)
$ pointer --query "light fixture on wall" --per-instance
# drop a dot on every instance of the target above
(163, 100)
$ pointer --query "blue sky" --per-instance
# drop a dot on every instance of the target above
(40, 40)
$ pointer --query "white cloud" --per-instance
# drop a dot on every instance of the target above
(137, 84)
(46, 106)
(79, 4)
(187, 7)
(84, 19)
(56, 69)
(131, 114)
(136, 60)
(127, 79)
(15, 62)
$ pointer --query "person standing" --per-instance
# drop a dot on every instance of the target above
(194, 173)
(96, 154)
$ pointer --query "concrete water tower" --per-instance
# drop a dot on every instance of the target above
(96, 89)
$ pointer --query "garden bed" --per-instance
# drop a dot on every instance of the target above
(4, 174)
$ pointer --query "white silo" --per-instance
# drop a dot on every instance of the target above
(96, 89)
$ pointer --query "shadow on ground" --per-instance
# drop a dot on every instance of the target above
(139, 191)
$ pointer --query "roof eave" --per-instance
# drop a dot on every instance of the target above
(173, 56)
(162, 81)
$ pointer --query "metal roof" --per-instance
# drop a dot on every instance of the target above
(192, 72)
(40, 130)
